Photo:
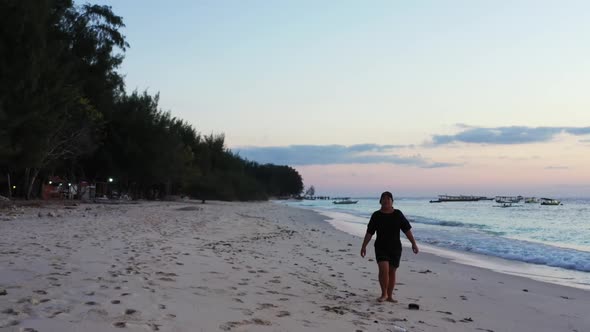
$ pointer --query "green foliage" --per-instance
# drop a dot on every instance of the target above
(64, 110)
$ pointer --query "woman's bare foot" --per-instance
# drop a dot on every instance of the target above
(391, 299)
(382, 298)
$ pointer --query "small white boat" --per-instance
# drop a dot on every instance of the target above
(508, 199)
(550, 201)
(344, 200)
(507, 205)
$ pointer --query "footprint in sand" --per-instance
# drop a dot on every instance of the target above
(255, 321)
(167, 279)
(266, 306)
(283, 313)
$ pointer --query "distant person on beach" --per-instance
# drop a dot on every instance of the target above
(388, 222)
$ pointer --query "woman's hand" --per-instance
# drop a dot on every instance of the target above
(415, 248)
(363, 252)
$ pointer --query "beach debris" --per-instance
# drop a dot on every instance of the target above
(425, 271)
(466, 320)
(413, 306)
(3, 291)
(525, 290)
(119, 324)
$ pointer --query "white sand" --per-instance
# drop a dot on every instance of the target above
(243, 267)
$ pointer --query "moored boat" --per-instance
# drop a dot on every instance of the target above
(458, 198)
(550, 201)
(344, 200)
(508, 199)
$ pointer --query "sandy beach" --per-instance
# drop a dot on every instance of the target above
(186, 266)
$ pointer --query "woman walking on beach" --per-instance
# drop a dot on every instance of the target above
(388, 222)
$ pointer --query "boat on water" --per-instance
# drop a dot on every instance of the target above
(508, 199)
(344, 200)
(531, 200)
(507, 205)
(550, 201)
(459, 198)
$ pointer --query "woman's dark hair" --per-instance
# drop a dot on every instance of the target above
(385, 193)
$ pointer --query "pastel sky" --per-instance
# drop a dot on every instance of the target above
(417, 97)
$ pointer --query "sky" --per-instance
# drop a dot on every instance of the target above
(417, 97)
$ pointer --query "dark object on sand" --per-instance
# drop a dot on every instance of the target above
(413, 306)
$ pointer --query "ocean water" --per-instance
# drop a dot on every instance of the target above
(555, 237)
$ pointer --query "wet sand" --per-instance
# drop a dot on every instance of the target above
(186, 266)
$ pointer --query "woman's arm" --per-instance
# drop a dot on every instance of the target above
(410, 237)
(368, 237)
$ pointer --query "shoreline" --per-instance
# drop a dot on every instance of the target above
(180, 266)
(539, 272)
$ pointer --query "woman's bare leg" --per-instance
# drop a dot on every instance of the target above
(391, 284)
(383, 279)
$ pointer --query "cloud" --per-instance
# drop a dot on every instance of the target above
(334, 154)
(507, 135)
(556, 167)
(441, 165)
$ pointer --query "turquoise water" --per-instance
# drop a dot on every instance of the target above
(554, 236)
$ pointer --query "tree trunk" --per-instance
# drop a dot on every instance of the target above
(167, 189)
(26, 184)
(9, 186)
(30, 189)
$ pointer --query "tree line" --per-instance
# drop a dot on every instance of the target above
(64, 111)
